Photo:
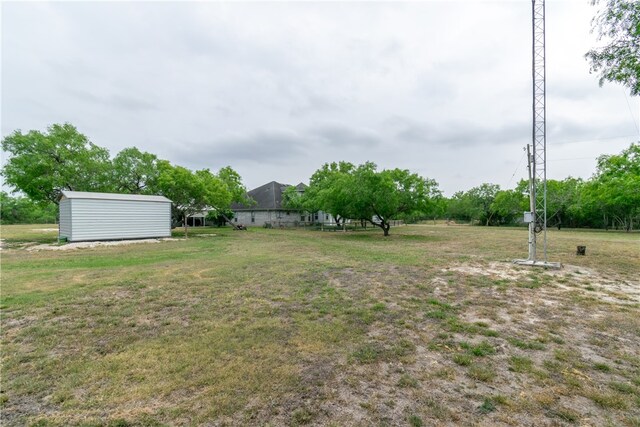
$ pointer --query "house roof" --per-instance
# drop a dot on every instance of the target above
(267, 197)
(113, 196)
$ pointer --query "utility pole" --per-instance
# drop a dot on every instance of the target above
(537, 157)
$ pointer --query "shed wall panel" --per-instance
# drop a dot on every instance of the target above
(65, 219)
(95, 219)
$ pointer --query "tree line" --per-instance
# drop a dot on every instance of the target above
(609, 199)
(43, 164)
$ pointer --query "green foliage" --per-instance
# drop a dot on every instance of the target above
(415, 421)
(193, 192)
(41, 165)
(613, 192)
(329, 190)
(487, 406)
(233, 183)
(135, 172)
(618, 61)
(475, 204)
(562, 199)
(609, 199)
(292, 199)
(22, 210)
(508, 206)
(363, 193)
(219, 218)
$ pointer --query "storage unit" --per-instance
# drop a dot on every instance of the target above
(104, 216)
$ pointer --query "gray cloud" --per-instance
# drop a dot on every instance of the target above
(114, 100)
(276, 89)
(341, 135)
(457, 134)
(276, 146)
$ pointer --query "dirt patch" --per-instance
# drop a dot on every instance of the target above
(81, 245)
(44, 229)
(493, 269)
(570, 278)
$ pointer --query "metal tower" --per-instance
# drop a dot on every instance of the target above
(538, 156)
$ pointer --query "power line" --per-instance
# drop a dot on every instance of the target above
(517, 167)
(631, 112)
(572, 158)
(594, 139)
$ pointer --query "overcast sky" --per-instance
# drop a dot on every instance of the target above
(277, 89)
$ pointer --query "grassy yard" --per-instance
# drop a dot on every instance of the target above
(430, 326)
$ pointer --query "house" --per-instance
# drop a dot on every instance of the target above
(86, 216)
(268, 210)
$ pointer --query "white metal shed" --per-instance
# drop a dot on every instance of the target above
(105, 216)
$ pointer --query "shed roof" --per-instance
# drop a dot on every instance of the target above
(113, 196)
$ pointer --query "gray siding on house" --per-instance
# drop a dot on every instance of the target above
(101, 218)
(263, 217)
(65, 219)
(280, 216)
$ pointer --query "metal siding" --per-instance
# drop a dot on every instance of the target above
(96, 219)
(114, 196)
(65, 219)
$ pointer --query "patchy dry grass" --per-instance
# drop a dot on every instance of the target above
(430, 326)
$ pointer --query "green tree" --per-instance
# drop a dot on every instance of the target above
(474, 204)
(22, 210)
(562, 199)
(365, 194)
(237, 194)
(508, 206)
(233, 182)
(292, 199)
(460, 207)
(482, 198)
(614, 191)
(41, 165)
(135, 172)
(619, 60)
(193, 192)
(185, 189)
(329, 190)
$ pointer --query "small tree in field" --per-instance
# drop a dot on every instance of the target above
(364, 193)
(329, 190)
(379, 197)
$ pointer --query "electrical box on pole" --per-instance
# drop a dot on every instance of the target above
(537, 152)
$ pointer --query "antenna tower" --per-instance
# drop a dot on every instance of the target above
(537, 155)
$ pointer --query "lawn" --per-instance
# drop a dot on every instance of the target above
(430, 326)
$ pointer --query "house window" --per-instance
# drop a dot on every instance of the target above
(316, 216)
(253, 217)
(302, 218)
(235, 219)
